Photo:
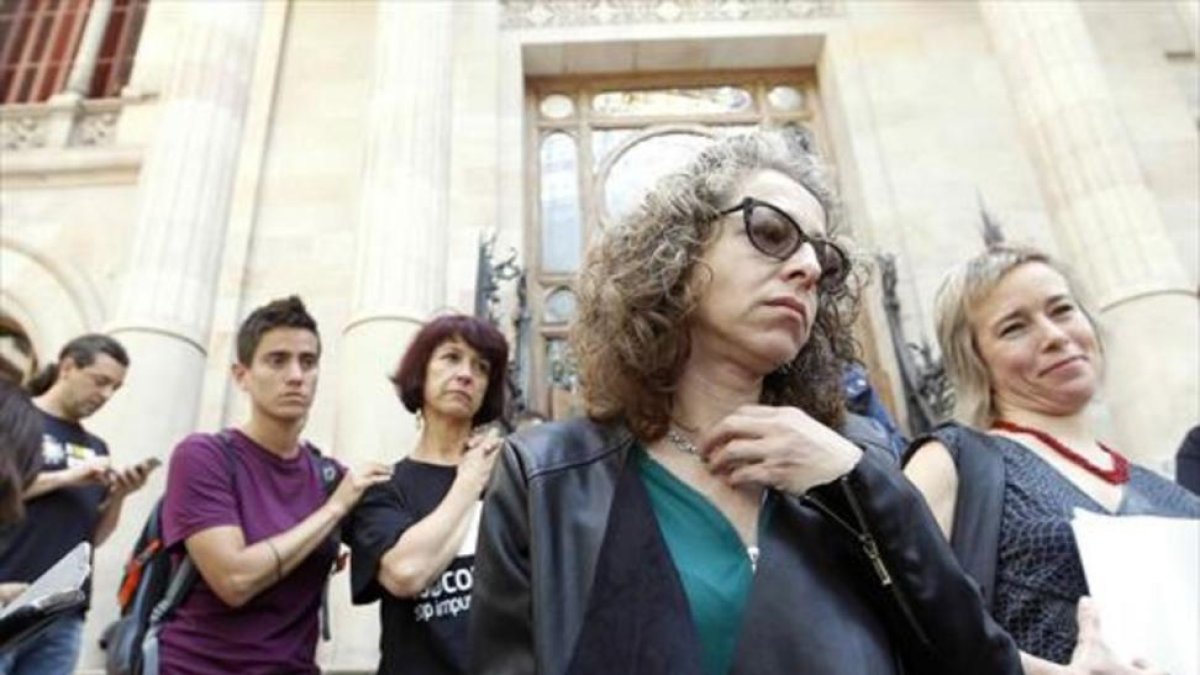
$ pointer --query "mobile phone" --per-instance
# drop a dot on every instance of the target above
(149, 464)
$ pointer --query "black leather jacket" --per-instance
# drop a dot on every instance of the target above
(572, 574)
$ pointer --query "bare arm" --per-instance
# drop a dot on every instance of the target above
(90, 472)
(427, 548)
(121, 484)
(932, 471)
(237, 572)
(110, 513)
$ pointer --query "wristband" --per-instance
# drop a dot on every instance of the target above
(278, 560)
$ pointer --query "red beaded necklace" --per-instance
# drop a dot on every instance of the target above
(1117, 475)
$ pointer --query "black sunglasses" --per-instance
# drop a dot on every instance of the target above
(773, 232)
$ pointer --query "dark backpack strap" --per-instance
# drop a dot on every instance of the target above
(979, 504)
(327, 469)
(330, 476)
(185, 575)
(183, 578)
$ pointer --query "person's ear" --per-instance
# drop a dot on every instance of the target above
(239, 372)
(65, 365)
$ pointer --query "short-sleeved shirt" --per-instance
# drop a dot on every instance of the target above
(56, 521)
(276, 631)
(427, 634)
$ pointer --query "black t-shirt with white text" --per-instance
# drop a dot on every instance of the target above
(426, 634)
(56, 521)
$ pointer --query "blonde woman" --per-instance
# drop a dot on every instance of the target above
(1026, 360)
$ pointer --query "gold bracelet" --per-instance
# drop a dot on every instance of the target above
(278, 560)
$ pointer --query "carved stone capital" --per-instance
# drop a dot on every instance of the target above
(573, 13)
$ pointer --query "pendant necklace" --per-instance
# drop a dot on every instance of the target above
(685, 446)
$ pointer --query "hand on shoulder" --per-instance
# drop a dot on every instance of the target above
(355, 481)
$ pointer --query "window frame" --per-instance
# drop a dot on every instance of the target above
(580, 124)
(41, 68)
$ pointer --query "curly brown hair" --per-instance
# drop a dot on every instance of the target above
(630, 335)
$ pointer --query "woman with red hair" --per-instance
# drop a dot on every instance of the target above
(413, 538)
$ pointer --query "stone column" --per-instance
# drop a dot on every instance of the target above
(67, 104)
(401, 246)
(1105, 220)
(1189, 15)
(84, 65)
(165, 306)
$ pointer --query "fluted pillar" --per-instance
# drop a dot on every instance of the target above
(1105, 220)
(401, 244)
(84, 65)
(166, 300)
(66, 106)
(1189, 15)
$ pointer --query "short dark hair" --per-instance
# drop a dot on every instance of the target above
(286, 312)
(83, 351)
(483, 337)
(20, 449)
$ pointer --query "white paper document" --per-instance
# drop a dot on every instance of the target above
(1144, 574)
(60, 582)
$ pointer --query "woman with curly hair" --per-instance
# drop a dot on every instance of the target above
(718, 511)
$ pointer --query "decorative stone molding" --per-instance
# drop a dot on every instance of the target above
(58, 123)
(23, 127)
(96, 124)
(562, 13)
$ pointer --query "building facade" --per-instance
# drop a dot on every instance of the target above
(166, 166)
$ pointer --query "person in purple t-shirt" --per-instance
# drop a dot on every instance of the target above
(262, 535)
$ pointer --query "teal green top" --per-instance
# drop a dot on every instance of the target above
(713, 564)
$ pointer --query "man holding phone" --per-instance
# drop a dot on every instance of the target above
(78, 494)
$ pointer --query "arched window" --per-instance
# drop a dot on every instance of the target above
(598, 143)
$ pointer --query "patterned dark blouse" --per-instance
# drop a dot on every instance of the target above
(1039, 576)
